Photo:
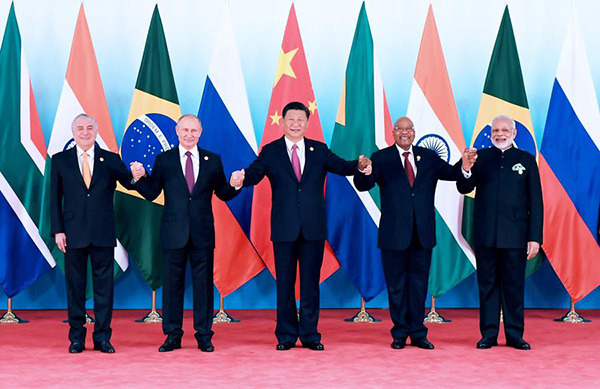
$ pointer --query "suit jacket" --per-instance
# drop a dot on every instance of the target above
(186, 214)
(85, 215)
(508, 202)
(297, 206)
(401, 204)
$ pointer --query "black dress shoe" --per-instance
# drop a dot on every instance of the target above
(486, 343)
(519, 344)
(76, 348)
(282, 346)
(104, 347)
(315, 346)
(170, 345)
(206, 347)
(398, 344)
(422, 343)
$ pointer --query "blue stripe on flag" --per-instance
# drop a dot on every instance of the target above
(573, 156)
(221, 135)
(21, 263)
(353, 236)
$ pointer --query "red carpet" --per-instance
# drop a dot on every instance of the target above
(35, 354)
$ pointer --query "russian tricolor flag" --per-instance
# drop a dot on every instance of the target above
(570, 171)
(228, 131)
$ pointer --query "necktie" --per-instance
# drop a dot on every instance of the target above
(296, 162)
(85, 168)
(410, 173)
(189, 172)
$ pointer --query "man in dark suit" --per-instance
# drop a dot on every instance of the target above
(407, 176)
(83, 182)
(507, 230)
(296, 168)
(189, 176)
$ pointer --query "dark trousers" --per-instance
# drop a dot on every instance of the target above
(102, 260)
(309, 256)
(501, 280)
(201, 263)
(406, 275)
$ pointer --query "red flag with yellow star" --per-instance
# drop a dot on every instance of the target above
(292, 83)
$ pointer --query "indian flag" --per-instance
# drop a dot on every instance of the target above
(82, 92)
(433, 111)
(503, 93)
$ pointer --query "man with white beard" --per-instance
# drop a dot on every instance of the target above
(507, 231)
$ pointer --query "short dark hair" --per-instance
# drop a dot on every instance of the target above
(296, 106)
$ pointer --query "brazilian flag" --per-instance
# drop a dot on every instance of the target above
(150, 130)
(503, 93)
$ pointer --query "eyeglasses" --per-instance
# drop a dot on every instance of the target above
(400, 129)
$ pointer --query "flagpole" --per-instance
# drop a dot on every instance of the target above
(222, 316)
(433, 316)
(153, 316)
(362, 316)
(9, 317)
(572, 316)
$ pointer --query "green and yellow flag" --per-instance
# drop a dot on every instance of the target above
(150, 130)
(503, 93)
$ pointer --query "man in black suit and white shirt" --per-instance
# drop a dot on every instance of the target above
(507, 230)
(83, 182)
(296, 168)
(189, 176)
(407, 176)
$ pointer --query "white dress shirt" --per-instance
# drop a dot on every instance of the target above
(195, 160)
(411, 157)
(301, 151)
(90, 159)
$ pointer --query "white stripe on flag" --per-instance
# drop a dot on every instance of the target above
(25, 219)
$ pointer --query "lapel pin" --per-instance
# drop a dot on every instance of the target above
(418, 158)
(101, 159)
(311, 148)
(206, 157)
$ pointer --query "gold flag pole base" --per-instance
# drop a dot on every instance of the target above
(362, 316)
(153, 316)
(88, 319)
(9, 317)
(433, 316)
(222, 316)
(572, 316)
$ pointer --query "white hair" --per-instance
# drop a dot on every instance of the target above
(503, 117)
(86, 116)
(191, 116)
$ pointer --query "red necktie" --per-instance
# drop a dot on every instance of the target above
(296, 162)
(410, 173)
(189, 172)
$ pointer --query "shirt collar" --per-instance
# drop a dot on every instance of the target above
(80, 151)
(289, 144)
(402, 151)
(182, 151)
(506, 149)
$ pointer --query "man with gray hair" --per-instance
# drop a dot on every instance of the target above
(83, 182)
(507, 231)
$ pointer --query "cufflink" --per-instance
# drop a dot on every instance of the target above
(206, 157)
(311, 148)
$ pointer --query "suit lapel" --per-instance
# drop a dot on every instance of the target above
(308, 156)
(202, 160)
(176, 162)
(283, 154)
(98, 166)
(74, 165)
(418, 155)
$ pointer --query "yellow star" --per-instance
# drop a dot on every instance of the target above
(275, 118)
(284, 65)
(312, 107)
